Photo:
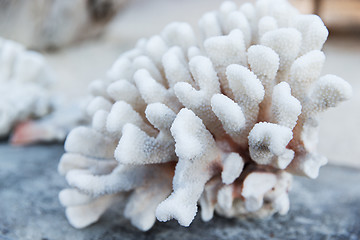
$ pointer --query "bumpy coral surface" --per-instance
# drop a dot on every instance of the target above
(24, 77)
(221, 121)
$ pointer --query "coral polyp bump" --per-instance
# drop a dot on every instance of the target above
(24, 81)
(221, 121)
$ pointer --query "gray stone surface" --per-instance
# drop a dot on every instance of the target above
(326, 208)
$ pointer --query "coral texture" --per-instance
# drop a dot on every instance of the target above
(24, 78)
(222, 120)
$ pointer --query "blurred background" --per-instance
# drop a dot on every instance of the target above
(80, 39)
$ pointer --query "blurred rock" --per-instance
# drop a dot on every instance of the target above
(49, 24)
(326, 208)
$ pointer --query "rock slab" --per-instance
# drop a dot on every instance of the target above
(325, 208)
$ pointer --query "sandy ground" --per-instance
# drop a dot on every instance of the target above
(78, 65)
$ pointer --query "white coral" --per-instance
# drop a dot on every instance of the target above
(221, 121)
(24, 77)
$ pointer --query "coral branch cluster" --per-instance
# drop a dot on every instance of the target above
(221, 121)
(24, 78)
